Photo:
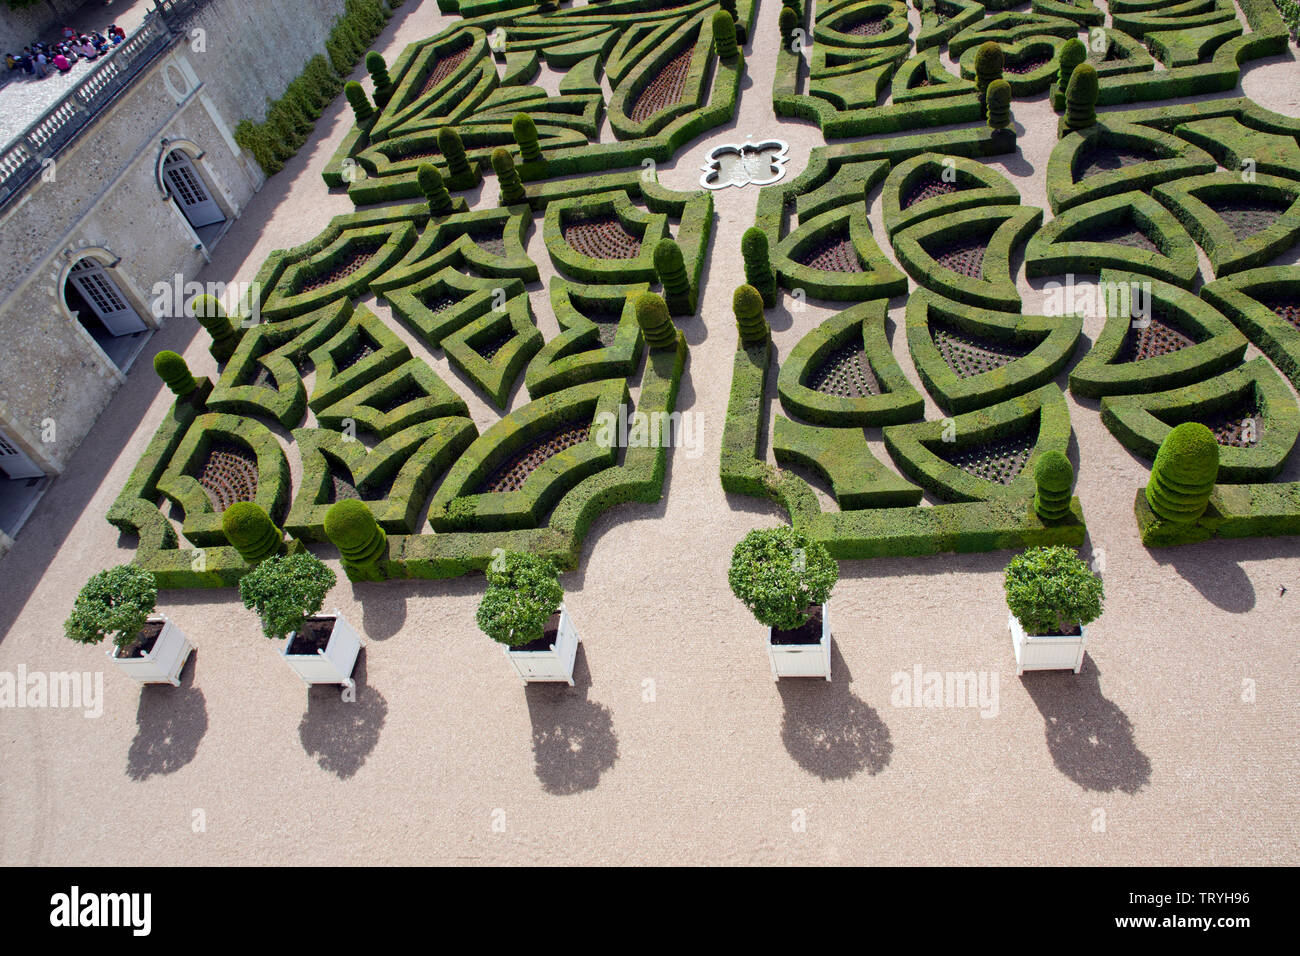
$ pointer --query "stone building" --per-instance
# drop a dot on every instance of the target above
(145, 182)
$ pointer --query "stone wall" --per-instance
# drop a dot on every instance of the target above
(18, 28)
(102, 197)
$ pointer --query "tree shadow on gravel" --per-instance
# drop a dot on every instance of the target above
(170, 722)
(1090, 739)
(338, 733)
(830, 731)
(573, 737)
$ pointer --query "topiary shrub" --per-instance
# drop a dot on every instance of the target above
(787, 22)
(351, 527)
(747, 304)
(778, 573)
(251, 531)
(653, 317)
(1053, 481)
(453, 151)
(435, 191)
(1071, 54)
(999, 104)
(1081, 99)
(378, 71)
(115, 602)
(207, 310)
(512, 190)
(523, 592)
(1051, 591)
(758, 264)
(525, 133)
(286, 590)
(361, 107)
(671, 268)
(724, 36)
(1184, 473)
(171, 368)
(989, 61)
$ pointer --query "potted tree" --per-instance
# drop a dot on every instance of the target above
(120, 601)
(785, 578)
(523, 609)
(287, 592)
(1053, 595)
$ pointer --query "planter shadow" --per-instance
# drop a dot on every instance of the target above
(1090, 739)
(573, 737)
(830, 731)
(340, 734)
(170, 723)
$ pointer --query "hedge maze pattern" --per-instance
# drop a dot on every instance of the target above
(1134, 198)
(320, 377)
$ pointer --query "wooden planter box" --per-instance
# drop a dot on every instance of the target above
(332, 664)
(554, 663)
(163, 663)
(803, 660)
(1047, 653)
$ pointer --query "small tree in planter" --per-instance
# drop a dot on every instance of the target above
(1052, 595)
(286, 592)
(523, 609)
(120, 602)
(785, 579)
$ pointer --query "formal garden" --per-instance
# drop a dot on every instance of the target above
(398, 479)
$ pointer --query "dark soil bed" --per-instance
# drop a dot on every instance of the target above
(1159, 338)
(665, 89)
(353, 259)
(1290, 311)
(810, 632)
(1122, 234)
(999, 461)
(925, 189)
(833, 254)
(1248, 217)
(512, 475)
(846, 373)
(1107, 159)
(602, 237)
(964, 256)
(866, 28)
(443, 68)
(970, 355)
(313, 636)
(1027, 65)
(228, 474)
(144, 641)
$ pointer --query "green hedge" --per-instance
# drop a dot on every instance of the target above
(575, 356)
(1244, 298)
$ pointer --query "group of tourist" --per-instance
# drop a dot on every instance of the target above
(40, 59)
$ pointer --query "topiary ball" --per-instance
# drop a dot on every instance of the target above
(171, 368)
(1184, 473)
(656, 324)
(351, 527)
(251, 531)
(1053, 480)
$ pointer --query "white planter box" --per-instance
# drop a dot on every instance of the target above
(334, 663)
(803, 660)
(163, 663)
(1046, 653)
(553, 664)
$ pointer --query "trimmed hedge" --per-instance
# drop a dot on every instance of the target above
(572, 358)
(1245, 298)
(1192, 201)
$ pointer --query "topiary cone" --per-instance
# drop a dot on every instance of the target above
(525, 132)
(656, 325)
(251, 531)
(171, 368)
(671, 268)
(758, 265)
(989, 61)
(453, 151)
(361, 107)
(1053, 479)
(378, 71)
(352, 528)
(787, 22)
(724, 36)
(1081, 98)
(747, 304)
(1071, 54)
(435, 191)
(512, 190)
(1184, 473)
(213, 318)
(999, 104)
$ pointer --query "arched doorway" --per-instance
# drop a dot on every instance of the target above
(104, 311)
(186, 187)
